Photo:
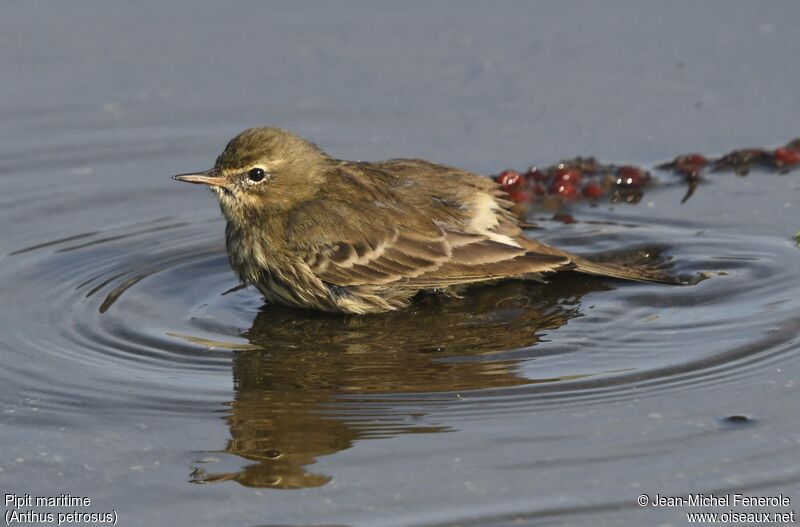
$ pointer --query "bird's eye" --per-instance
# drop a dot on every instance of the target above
(256, 174)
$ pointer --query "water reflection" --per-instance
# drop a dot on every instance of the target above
(289, 407)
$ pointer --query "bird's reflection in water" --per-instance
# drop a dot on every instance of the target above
(290, 407)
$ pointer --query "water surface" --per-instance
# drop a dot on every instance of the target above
(138, 372)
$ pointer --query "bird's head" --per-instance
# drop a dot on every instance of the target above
(263, 170)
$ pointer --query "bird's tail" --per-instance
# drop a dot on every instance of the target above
(643, 265)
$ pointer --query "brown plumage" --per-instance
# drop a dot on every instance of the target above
(316, 232)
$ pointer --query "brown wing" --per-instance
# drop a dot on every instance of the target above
(379, 245)
(486, 259)
(391, 255)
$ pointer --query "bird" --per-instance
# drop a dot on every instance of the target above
(315, 232)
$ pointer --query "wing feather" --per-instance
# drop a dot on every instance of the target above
(474, 237)
(404, 256)
(433, 263)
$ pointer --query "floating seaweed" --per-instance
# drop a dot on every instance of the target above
(585, 178)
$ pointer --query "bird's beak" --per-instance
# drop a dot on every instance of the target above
(212, 178)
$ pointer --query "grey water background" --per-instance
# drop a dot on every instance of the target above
(117, 382)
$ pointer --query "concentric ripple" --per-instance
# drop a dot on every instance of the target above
(156, 303)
